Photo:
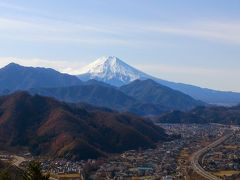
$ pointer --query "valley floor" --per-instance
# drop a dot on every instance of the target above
(169, 160)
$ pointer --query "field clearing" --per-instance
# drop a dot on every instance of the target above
(142, 178)
(184, 153)
(231, 147)
(67, 176)
(226, 173)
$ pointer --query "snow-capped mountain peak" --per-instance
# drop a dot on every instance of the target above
(112, 70)
(102, 64)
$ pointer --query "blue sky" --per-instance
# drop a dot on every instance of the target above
(196, 42)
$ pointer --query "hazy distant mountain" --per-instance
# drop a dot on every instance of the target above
(15, 77)
(102, 95)
(49, 82)
(49, 127)
(203, 115)
(210, 96)
(114, 71)
(149, 91)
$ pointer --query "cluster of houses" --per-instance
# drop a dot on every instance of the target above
(160, 162)
(224, 158)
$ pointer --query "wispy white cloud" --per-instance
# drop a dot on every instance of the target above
(13, 6)
(118, 34)
(38, 26)
(59, 32)
(224, 32)
(215, 30)
(24, 10)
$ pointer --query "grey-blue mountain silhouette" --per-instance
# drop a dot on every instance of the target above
(15, 77)
(101, 95)
(149, 91)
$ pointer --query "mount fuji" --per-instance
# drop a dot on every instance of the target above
(115, 72)
(111, 70)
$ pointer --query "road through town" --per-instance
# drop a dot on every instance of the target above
(196, 157)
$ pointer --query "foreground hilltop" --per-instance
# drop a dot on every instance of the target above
(49, 127)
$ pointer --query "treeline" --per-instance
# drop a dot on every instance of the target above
(203, 115)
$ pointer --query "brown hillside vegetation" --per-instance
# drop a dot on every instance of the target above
(47, 126)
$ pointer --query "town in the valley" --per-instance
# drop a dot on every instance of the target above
(197, 152)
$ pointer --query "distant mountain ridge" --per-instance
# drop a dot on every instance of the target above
(101, 96)
(114, 71)
(149, 91)
(16, 77)
(204, 115)
(64, 87)
(109, 70)
(151, 98)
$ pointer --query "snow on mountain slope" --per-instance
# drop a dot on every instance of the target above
(114, 71)
(111, 70)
